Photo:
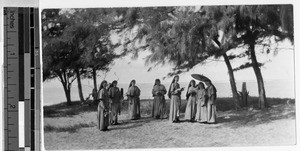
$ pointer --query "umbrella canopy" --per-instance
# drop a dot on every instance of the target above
(200, 77)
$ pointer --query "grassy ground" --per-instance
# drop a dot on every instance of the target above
(74, 127)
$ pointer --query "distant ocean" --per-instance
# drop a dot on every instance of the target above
(54, 93)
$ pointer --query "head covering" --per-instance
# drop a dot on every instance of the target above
(207, 81)
(101, 85)
(131, 83)
(156, 81)
(114, 82)
(201, 84)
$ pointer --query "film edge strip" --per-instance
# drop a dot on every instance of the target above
(21, 79)
(11, 79)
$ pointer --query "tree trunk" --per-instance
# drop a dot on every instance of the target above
(232, 83)
(66, 85)
(262, 102)
(79, 85)
(67, 93)
(95, 85)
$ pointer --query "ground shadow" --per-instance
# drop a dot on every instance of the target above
(64, 110)
(76, 107)
(249, 116)
(279, 109)
(255, 117)
(128, 124)
(70, 129)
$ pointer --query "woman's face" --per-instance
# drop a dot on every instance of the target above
(157, 82)
(115, 84)
(176, 79)
(193, 83)
(200, 86)
(133, 83)
(104, 84)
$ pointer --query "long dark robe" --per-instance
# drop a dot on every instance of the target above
(103, 113)
(175, 102)
(211, 104)
(201, 115)
(133, 94)
(115, 104)
(190, 110)
(159, 102)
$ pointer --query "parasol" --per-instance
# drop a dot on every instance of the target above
(200, 77)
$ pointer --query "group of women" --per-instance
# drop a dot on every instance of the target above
(200, 106)
(110, 103)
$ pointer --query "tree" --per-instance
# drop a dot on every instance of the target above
(186, 37)
(222, 18)
(287, 21)
(57, 63)
(57, 57)
(98, 59)
(254, 24)
(78, 37)
(99, 49)
(75, 35)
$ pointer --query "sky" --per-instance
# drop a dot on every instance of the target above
(280, 66)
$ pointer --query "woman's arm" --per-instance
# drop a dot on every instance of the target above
(173, 89)
(138, 91)
(128, 91)
(179, 90)
(164, 90)
(191, 90)
(110, 92)
(154, 91)
(101, 95)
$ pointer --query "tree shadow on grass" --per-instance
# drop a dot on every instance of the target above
(128, 124)
(124, 124)
(64, 110)
(279, 109)
(246, 117)
(70, 129)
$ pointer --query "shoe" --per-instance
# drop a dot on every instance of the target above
(116, 123)
(211, 122)
(176, 121)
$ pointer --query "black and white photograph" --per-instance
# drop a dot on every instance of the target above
(159, 77)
